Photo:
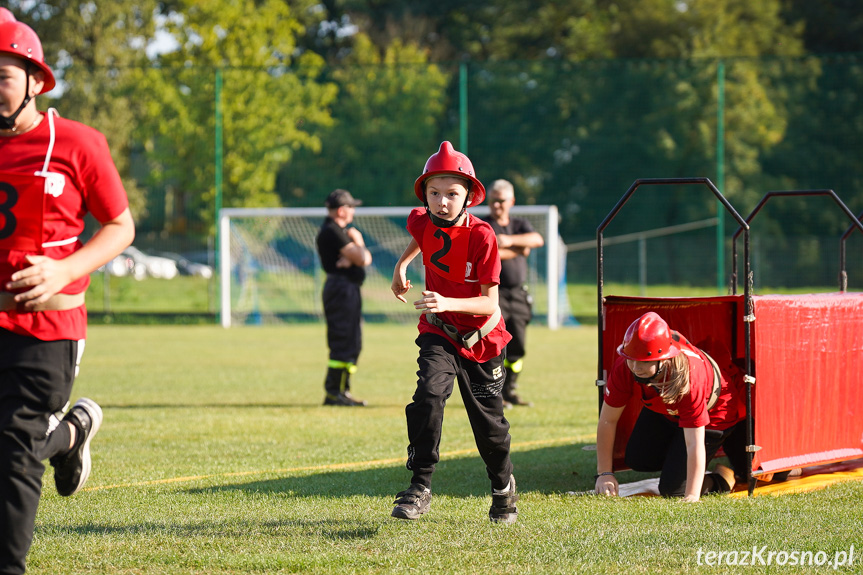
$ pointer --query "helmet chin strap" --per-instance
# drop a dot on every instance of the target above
(9, 123)
(442, 223)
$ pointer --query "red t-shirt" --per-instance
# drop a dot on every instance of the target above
(83, 179)
(691, 409)
(457, 266)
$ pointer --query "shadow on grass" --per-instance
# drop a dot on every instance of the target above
(333, 529)
(546, 470)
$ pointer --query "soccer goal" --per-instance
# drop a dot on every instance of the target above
(270, 271)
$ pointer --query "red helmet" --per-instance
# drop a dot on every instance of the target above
(648, 339)
(448, 162)
(19, 39)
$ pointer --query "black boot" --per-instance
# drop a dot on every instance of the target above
(346, 390)
(509, 386)
(335, 388)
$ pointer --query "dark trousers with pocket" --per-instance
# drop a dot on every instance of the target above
(35, 381)
(658, 444)
(343, 308)
(517, 310)
(480, 386)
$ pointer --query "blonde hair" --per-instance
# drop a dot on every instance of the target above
(503, 186)
(676, 379)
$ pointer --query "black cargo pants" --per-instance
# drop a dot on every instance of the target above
(480, 386)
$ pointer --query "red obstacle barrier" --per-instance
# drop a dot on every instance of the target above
(803, 351)
(807, 400)
(807, 354)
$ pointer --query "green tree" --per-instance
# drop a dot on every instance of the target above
(548, 110)
(585, 129)
(829, 26)
(452, 30)
(92, 48)
(272, 102)
(385, 126)
(821, 147)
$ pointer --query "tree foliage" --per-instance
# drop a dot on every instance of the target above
(572, 99)
(92, 49)
(271, 102)
(551, 112)
(386, 118)
(158, 112)
(829, 26)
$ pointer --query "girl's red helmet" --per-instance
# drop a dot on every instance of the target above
(448, 162)
(648, 339)
(19, 39)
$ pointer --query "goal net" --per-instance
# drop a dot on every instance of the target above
(270, 271)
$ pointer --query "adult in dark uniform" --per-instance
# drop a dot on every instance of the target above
(344, 257)
(515, 238)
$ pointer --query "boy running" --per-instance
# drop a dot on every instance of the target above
(462, 335)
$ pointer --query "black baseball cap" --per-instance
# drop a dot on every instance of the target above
(338, 198)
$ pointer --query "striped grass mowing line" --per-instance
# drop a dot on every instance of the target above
(352, 465)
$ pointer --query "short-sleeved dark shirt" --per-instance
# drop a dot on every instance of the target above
(331, 239)
(513, 272)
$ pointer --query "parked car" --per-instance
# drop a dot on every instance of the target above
(152, 266)
(187, 267)
(120, 266)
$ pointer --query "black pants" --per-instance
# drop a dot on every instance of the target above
(657, 444)
(343, 308)
(35, 381)
(516, 309)
(480, 386)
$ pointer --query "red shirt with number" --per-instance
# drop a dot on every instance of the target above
(691, 410)
(458, 261)
(81, 178)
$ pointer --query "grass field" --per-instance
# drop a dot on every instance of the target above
(216, 456)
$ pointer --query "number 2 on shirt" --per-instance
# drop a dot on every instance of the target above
(445, 251)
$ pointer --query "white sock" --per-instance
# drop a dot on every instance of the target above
(504, 490)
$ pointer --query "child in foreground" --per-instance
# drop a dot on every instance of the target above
(462, 335)
(53, 171)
